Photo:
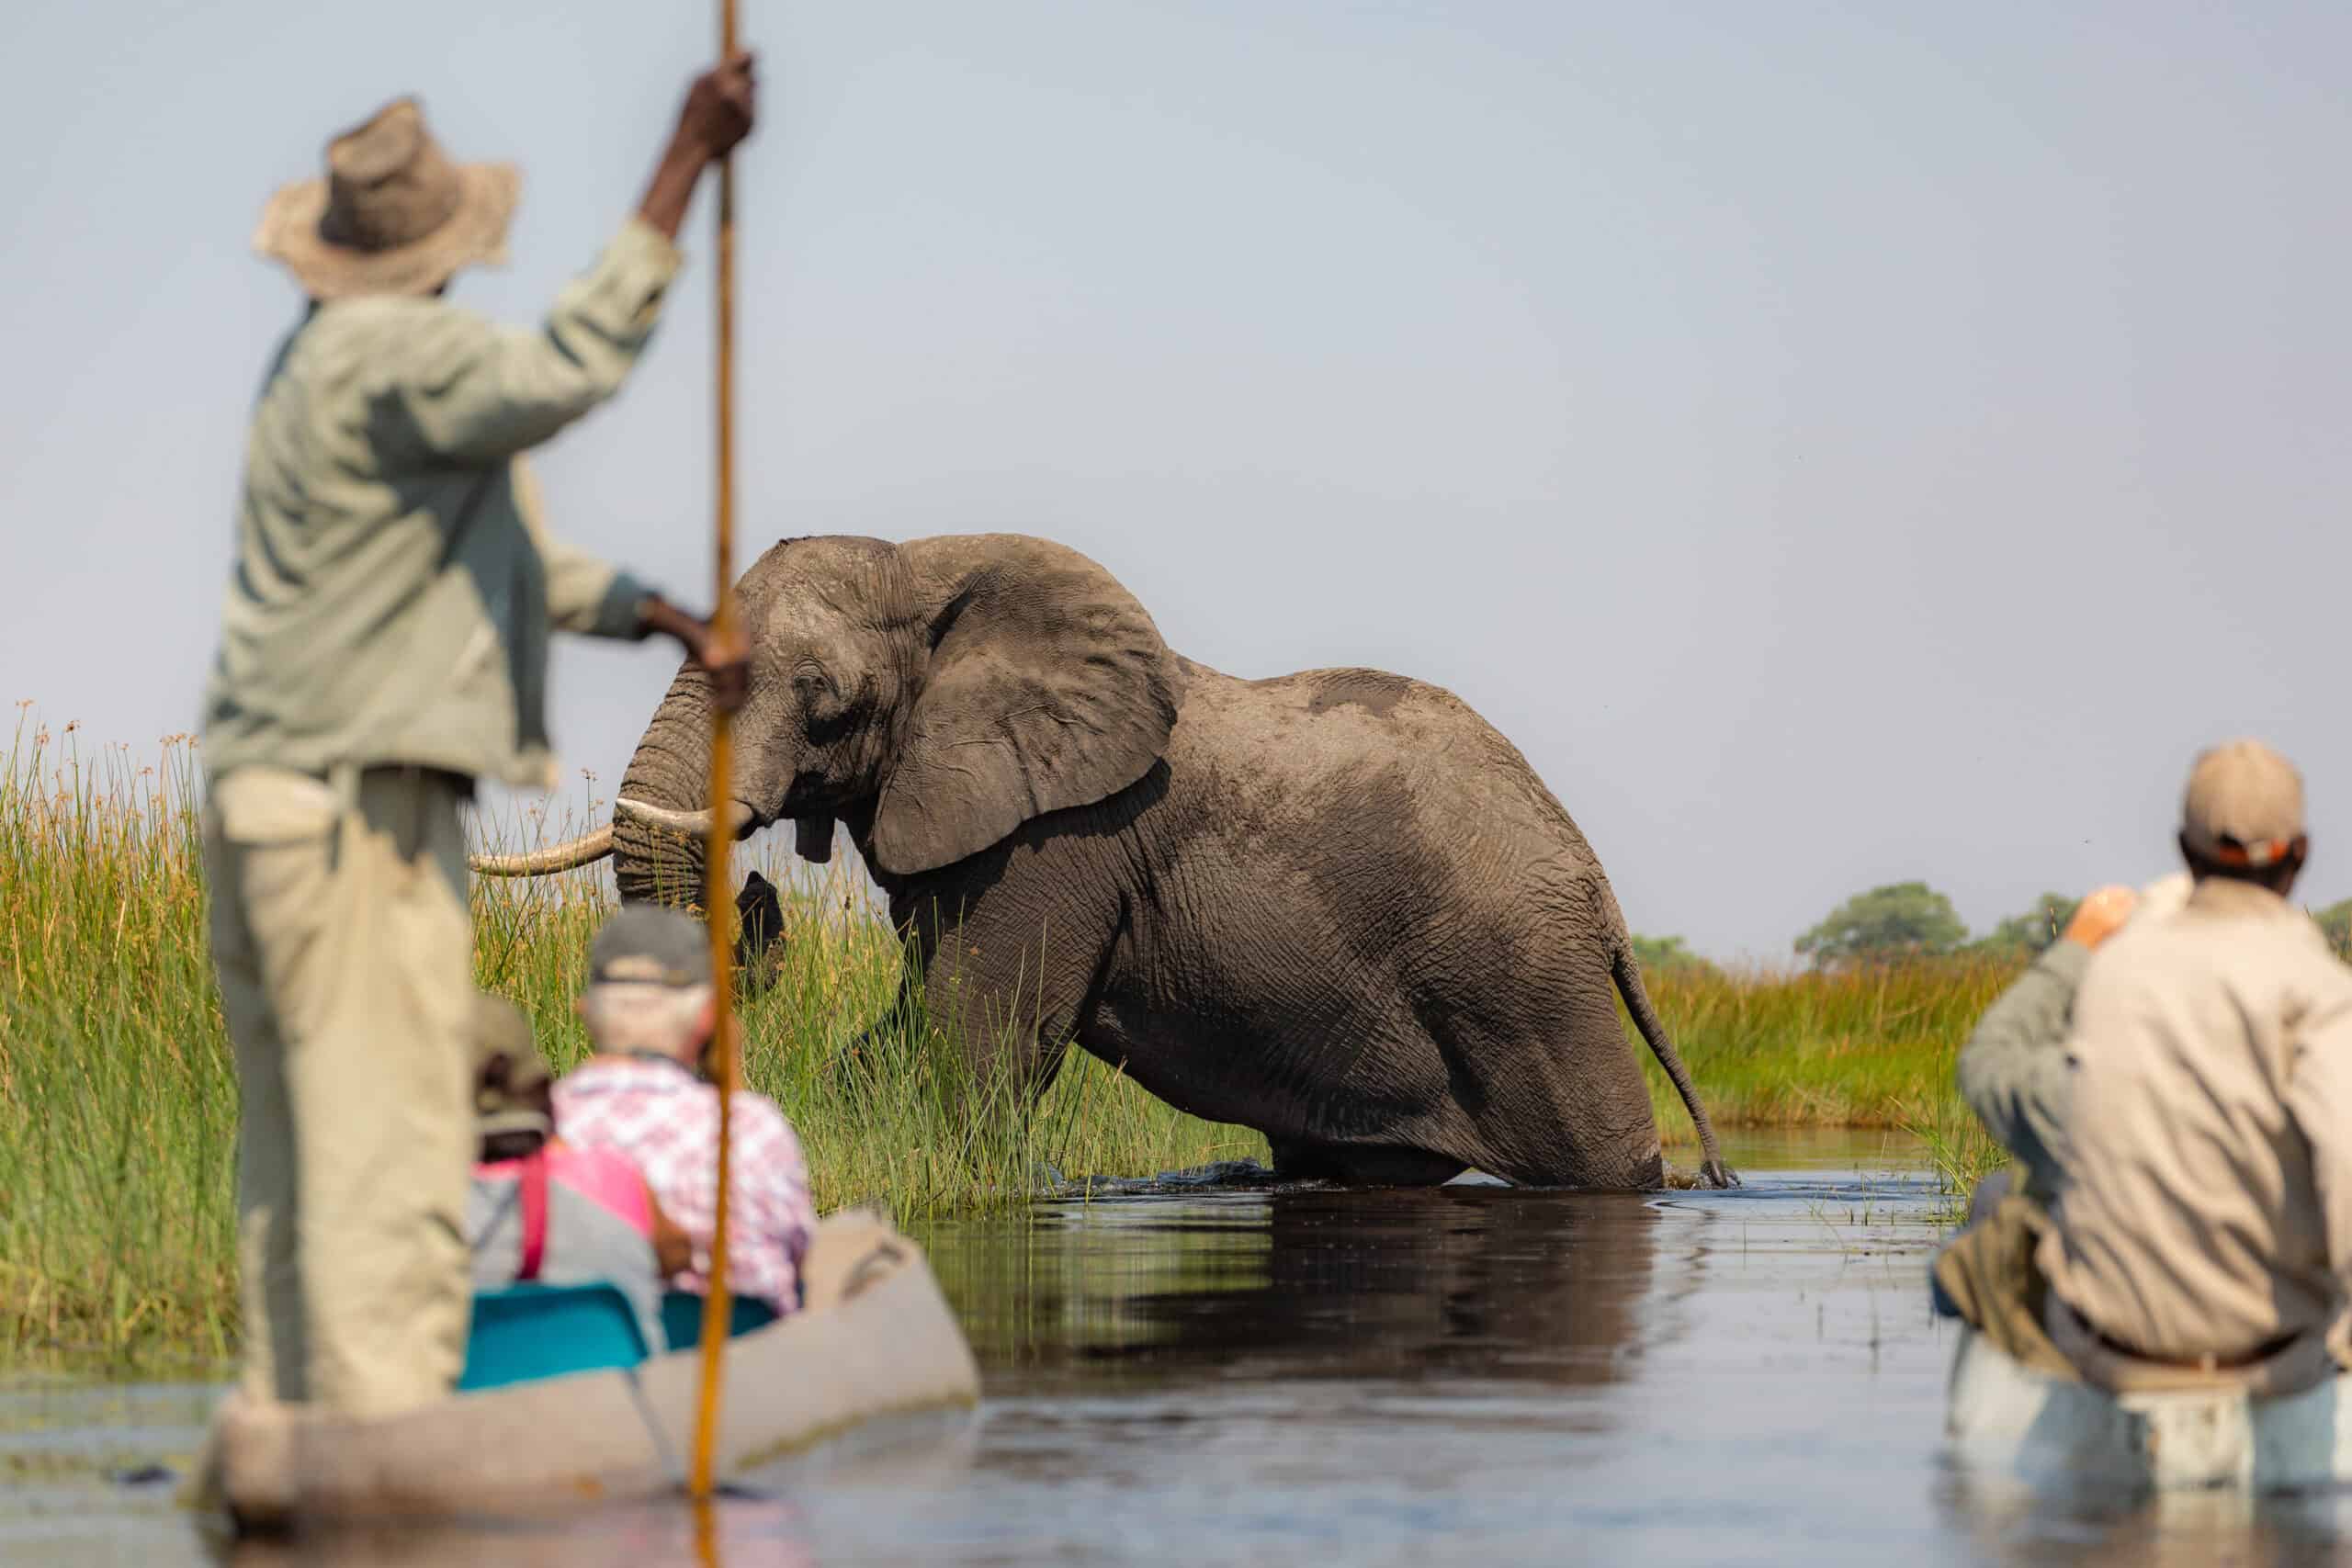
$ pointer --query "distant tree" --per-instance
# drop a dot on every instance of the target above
(2023, 936)
(1659, 955)
(1903, 919)
(2335, 921)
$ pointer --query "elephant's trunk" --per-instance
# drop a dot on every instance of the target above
(658, 843)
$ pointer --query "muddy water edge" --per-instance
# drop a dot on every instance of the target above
(1468, 1374)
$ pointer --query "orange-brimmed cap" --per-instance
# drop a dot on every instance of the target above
(2244, 804)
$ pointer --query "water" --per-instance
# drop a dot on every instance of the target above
(1464, 1375)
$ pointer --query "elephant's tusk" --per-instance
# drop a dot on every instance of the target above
(575, 852)
(566, 856)
(689, 824)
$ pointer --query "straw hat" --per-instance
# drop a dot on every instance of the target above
(393, 215)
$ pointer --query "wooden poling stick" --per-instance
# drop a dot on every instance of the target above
(718, 902)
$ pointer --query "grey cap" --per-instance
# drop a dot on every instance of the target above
(2244, 804)
(648, 944)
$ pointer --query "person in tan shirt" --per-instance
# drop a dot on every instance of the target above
(383, 644)
(2204, 1207)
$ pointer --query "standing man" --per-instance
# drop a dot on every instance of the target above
(383, 645)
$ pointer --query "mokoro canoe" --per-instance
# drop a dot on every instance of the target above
(875, 1338)
(2001, 1414)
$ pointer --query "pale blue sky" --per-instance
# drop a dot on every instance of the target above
(1837, 444)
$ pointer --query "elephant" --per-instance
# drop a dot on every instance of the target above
(1336, 905)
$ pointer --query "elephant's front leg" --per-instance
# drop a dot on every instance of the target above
(1008, 989)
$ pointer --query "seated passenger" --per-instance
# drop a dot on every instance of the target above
(2205, 1211)
(543, 1210)
(2196, 1141)
(650, 1014)
(2015, 1072)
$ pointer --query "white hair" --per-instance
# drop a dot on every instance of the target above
(638, 1015)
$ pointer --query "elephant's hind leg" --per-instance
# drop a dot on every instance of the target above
(1553, 1092)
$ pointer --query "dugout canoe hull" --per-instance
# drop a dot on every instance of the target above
(877, 1339)
(2002, 1415)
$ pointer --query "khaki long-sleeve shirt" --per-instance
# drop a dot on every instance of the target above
(394, 586)
(2207, 1199)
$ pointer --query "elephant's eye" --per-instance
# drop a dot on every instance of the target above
(824, 713)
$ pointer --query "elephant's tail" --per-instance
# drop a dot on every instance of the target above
(1637, 1003)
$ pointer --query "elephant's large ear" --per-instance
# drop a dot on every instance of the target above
(1046, 687)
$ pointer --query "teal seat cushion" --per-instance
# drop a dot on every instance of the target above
(682, 1317)
(526, 1332)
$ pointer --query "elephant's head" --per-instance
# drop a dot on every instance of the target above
(933, 695)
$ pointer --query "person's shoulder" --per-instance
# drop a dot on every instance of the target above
(2284, 932)
(390, 332)
(762, 1117)
(2140, 947)
(385, 315)
(2272, 954)
(2163, 955)
(598, 1079)
(2310, 949)
(594, 1073)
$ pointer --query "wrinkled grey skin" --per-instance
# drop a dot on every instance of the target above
(1335, 906)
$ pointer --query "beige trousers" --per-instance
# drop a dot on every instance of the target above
(345, 958)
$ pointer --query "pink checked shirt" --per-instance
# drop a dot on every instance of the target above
(666, 1120)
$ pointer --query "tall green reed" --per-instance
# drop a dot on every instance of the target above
(1871, 1046)
(117, 1104)
(118, 1101)
(118, 1098)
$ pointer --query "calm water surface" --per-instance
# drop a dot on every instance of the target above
(1464, 1375)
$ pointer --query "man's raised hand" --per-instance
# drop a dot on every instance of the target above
(720, 107)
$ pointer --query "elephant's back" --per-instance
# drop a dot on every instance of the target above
(1388, 752)
(1356, 866)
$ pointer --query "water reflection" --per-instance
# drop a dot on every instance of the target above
(1441, 1285)
(1409, 1377)
(735, 1530)
(913, 1462)
(2011, 1523)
